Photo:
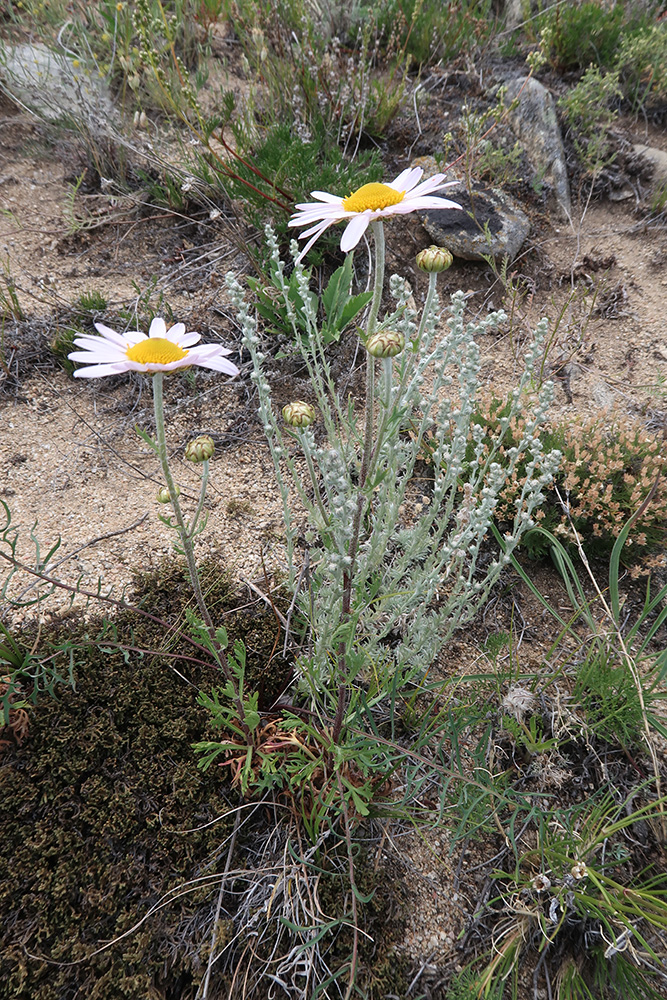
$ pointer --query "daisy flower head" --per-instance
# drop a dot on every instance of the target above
(162, 350)
(371, 201)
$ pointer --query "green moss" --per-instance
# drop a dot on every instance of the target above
(95, 806)
(104, 811)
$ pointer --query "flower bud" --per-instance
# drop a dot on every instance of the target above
(434, 259)
(200, 449)
(298, 414)
(385, 344)
(164, 496)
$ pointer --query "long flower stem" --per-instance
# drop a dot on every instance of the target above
(428, 305)
(188, 549)
(346, 605)
(192, 527)
(378, 234)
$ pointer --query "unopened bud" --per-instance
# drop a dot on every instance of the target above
(164, 496)
(299, 414)
(434, 259)
(385, 344)
(200, 449)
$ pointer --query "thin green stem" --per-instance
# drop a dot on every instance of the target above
(428, 305)
(378, 234)
(188, 550)
(346, 605)
(313, 479)
(192, 527)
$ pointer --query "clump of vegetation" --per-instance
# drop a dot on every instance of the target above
(589, 114)
(296, 167)
(609, 465)
(430, 31)
(642, 64)
(622, 37)
(570, 902)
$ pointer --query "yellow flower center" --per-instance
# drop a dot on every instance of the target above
(155, 351)
(373, 196)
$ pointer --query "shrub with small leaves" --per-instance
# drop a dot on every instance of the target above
(610, 464)
(589, 115)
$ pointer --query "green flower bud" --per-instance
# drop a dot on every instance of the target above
(298, 414)
(164, 496)
(200, 449)
(385, 344)
(434, 259)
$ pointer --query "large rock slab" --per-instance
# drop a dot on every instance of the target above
(535, 124)
(658, 158)
(52, 84)
(491, 223)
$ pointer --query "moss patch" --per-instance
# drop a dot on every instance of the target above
(96, 802)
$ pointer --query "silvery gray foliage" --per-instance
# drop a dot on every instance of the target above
(416, 581)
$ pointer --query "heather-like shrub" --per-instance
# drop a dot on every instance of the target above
(610, 463)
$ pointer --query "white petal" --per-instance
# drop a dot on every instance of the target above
(325, 196)
(205, 350)
(317, 230)
(331, 213)
(158, 328)
(91, 343)
(354, 230)
(221, 365)
(407, 179)
(188, 339)
(419, 204)
(175, 332)
(154, 366)
(134, 337)
(97, 371)
(110, 334)
(430, 185)
(97, 357)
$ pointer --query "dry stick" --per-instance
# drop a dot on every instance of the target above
(214, 935)
(98, 597)
(353, 886)
(86, 545)
(617, 630)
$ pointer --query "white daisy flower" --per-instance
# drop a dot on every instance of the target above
(163, 350)
(371, 201)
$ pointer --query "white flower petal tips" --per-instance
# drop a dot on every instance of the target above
(163, 350)
(371, 201)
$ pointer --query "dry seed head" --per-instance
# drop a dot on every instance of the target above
(541, 883)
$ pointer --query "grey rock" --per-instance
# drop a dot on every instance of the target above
(52, 85)
(535, 124)
(658, 158)
(515, 14)
(464, 233)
